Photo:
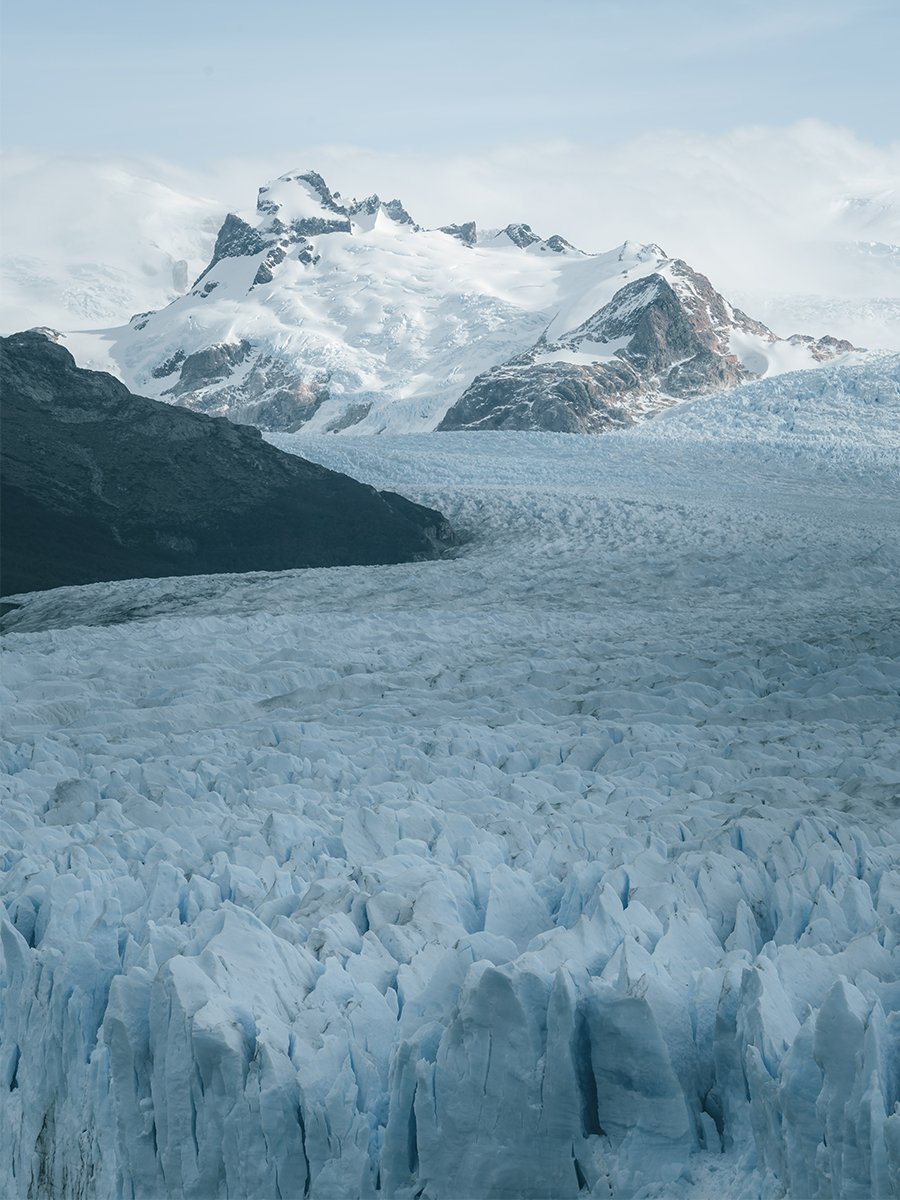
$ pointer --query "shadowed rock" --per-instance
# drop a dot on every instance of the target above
(99, 484)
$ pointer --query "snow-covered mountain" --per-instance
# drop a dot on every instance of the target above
(333, 315)
(567, 867)
(665, 337)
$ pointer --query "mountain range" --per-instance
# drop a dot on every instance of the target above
(332, 314)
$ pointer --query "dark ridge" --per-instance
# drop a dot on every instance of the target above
(99, 484)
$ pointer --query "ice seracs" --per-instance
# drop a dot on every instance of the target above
(337, 315)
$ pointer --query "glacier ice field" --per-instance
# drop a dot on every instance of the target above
(565, 866)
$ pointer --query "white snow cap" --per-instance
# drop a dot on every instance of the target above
(298, 195)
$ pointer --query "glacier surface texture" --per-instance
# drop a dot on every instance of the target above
(567, 867)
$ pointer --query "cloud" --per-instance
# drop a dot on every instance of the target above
(748, 205)
(765, 212)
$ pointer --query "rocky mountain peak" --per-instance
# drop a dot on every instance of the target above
(364, 212)
(665, 336)
(466, 233)
(301, 204)
(559, 245)
(525, 238)
(279, 195)
(674, 306)
(640, 252)
(824, 348)
(368, 207)
(707, 309)
(395, 210)
(521, 235)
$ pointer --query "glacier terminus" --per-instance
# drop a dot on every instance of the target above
(564, 866)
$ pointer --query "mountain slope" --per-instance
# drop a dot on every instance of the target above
(332, 315)
(99, 484)
(667, 336)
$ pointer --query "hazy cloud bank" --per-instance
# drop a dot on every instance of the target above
(807, 210)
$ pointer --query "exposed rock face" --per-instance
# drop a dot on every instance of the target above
(558, 244)
(271, 394)
(235, 238)
(100, 484)
(328, 216)
(281, 230)
(663, 338)
(521, 235)
(465, 233)
(372, 205)
(823, 348)
(558, 397)
(208, 366)
(525, 238)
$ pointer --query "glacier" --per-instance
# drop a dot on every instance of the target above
(564, 867)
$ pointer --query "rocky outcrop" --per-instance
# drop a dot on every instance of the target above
(271, 393)
(235, 239)
(559, 398)
(662, 338)
(372, 205)
(824, 348)
(281, 230)
(204, 367)
(268, 204)
(558, 244)
(99, 484)
(525, 238)
(465, 233)
(521, 235)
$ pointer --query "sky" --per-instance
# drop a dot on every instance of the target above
(195, 80)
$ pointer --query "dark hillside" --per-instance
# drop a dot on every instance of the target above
(99, 484)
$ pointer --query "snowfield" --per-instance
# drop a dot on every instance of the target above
(391, 320)
(567, 866)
